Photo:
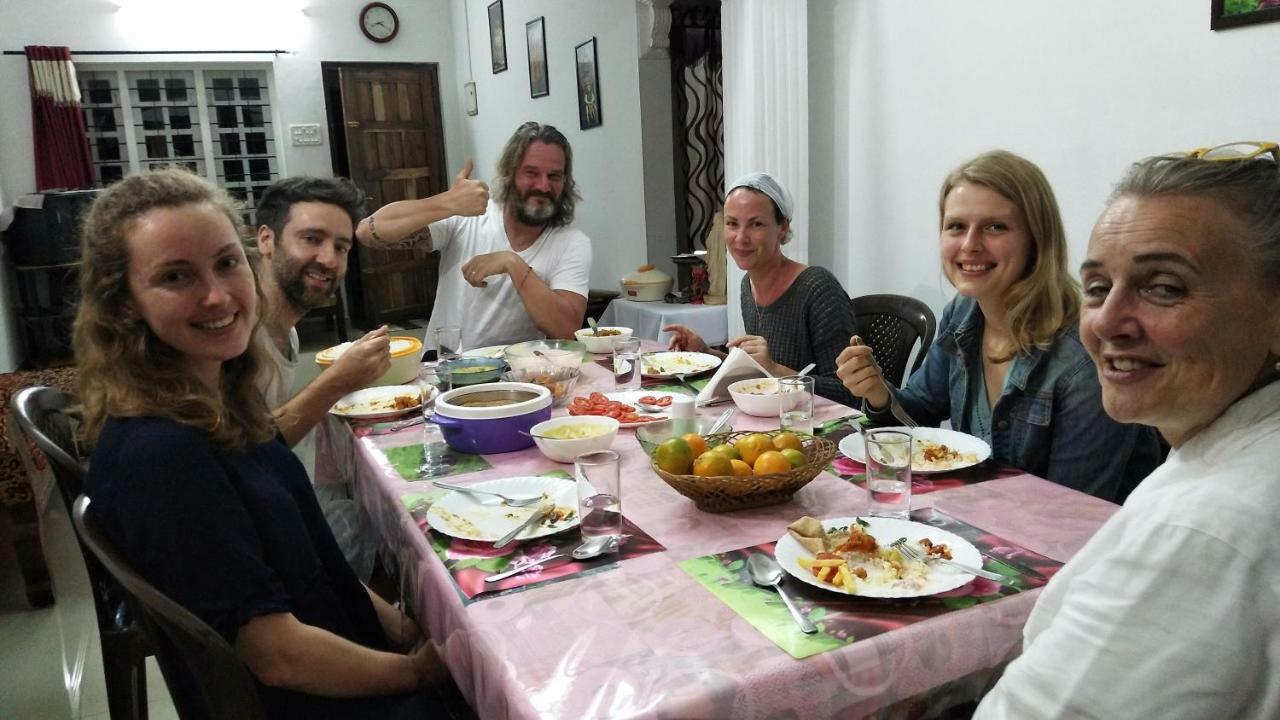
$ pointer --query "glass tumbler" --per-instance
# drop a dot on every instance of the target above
(433, 379)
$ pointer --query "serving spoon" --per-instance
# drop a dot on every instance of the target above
(766, 571)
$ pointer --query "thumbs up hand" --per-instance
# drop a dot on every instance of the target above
(467, 196)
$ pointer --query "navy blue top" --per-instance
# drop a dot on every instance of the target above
(1049, 419)
(229, 536)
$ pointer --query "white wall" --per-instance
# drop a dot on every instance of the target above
(900, 94)
(310, 30)
(607, 159)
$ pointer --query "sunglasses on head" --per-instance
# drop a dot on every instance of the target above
(1237, 151)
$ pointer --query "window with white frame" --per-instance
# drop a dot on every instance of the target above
(215, 121)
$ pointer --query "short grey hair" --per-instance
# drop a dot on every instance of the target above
(1250, 188)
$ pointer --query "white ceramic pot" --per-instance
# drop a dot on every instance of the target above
(564, 450)
(646, 284)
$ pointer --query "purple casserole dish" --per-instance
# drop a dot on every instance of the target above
(486, 419)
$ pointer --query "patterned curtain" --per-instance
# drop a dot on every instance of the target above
(699, 108)
(61, 142)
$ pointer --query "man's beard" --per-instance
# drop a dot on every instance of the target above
(530, 214)
(292, 282)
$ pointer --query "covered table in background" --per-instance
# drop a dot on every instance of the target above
(646, 319)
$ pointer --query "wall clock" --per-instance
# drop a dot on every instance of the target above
(379, 22)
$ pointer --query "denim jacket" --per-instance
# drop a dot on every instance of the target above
(1049, 420)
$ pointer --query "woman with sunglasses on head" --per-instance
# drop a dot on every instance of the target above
(189, 479)
(1007, 365)
(794, 314)
(1170, 610)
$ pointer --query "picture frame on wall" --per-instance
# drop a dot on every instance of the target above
(497, 37)
(535, 33)
(1225, 14)
(587, 71)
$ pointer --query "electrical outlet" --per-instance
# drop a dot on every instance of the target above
(306, 135)
(472, 107)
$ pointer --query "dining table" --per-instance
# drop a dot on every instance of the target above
(645, 637)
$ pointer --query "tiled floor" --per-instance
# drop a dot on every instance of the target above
(50, 659)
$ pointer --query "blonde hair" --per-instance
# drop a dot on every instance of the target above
(1047, 297)
(125, 370)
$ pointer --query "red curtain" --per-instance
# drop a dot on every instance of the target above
(62, 144)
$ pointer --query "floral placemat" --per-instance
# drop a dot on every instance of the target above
(470, 562)
(406, 460)
(842, 619)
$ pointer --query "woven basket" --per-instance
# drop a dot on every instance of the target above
(731, 492)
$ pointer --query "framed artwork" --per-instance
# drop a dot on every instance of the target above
(497, 37)
(535, 34)
(1234, 13)
(588, 74)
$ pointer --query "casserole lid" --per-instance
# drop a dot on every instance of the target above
(492, 401)
(401, 345)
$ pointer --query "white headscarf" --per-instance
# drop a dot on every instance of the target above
(762, 182)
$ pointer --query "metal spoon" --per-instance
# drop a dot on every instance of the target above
(766, 571)
(531, 435)
(651, 407)
(598, 545)
(592, 323)
(720, 421)
(806, 369)
(512, 501)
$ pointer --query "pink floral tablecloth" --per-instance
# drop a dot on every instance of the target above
(647, 641)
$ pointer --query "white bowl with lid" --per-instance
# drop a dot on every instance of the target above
(405, 354)
(646, 284)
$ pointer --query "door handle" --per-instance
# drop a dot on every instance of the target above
(353, 123)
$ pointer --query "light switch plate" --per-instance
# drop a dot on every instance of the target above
(469, 89)
(306, 135)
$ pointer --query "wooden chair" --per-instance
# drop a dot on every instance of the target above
(891, 325)
(41, 413)
(206, 679)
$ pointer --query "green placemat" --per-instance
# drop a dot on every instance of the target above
(408, 458)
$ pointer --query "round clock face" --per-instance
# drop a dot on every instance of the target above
(379, 22)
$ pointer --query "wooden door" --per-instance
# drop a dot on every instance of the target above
(395, 151)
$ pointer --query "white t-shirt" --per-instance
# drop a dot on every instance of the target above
(276, 382)
(495, 315)
(1172, 610)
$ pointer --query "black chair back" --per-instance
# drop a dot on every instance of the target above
(43, 415)
(891, 325)
(206, 679)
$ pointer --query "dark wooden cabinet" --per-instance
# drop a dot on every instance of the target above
(44, 311)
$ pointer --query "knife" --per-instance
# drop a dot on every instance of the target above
(557, 559)
(534, 517)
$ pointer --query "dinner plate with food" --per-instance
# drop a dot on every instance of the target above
(623, 406)
(485, 518)
(379, 403)
(669, 364)
(933, 450)
(854, 556)
(493, 352)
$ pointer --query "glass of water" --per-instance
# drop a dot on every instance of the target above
(626, 364)
(448, 342)
(888, 454)
(599, 494)
(795, 403)
(433, 379)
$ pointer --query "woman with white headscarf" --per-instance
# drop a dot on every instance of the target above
(794, 314)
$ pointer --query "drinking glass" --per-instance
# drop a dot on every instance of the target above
(433, 379)
(626, 364)
(599, 494)
(795, 403)
(448, 342)
(888, 454)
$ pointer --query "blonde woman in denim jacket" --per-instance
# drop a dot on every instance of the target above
(1008, 365)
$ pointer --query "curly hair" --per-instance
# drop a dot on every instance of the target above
(125, 370)
(1047, 297)
(513, 153)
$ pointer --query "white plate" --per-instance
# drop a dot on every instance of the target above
(852, 448)
(668, 364)
(629, 397)
(486, 518)
(492, 351)
(885, 531)
(377, 403)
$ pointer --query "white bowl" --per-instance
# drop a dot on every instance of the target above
(406, 354)
(758, 396)
(566, 450)
(603, 343)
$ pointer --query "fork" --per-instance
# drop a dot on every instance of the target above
(915, 554)
(512, 501)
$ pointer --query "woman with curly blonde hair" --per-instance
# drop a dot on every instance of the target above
(189, 479)
(1008, 365)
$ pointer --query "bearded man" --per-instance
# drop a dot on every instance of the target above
(304, 237)
(511, 268)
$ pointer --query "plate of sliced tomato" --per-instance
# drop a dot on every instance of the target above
(621, 406)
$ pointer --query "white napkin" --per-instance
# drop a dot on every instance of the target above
(736, 366)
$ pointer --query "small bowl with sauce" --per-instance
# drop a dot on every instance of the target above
(472, 370)
(564, 438)
(600, 340)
